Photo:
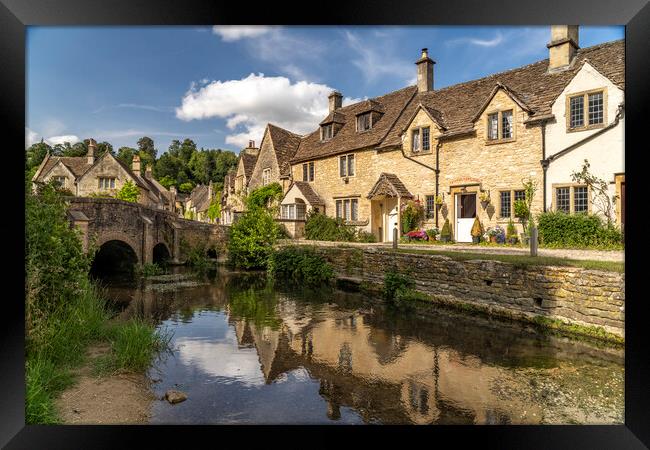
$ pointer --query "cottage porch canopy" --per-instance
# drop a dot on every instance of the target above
(389, 185)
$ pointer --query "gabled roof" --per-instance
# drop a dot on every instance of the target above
(433, 113)
(532, 85)
(347, 138)
(75, 164)
(308, 192)
(389, 185)
(248, 160)
(200, 198)
(285, 144)
(500, 86)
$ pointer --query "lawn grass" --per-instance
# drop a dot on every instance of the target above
(522, 260)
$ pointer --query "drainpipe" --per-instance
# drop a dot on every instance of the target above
(438, 145)
(436, 170)
(544, 165)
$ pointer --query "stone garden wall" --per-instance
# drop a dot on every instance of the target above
(574, 295)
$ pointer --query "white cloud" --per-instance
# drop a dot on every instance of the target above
(496, 40)
(71, 138)
(31, 137)
(230, 33)
(136, 106)
(376, 59)
(250, 103)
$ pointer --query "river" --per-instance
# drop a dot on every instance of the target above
(249, 352)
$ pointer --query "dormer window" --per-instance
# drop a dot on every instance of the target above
(586, 110)
(500, 126)
(420, 140)
(327, 131)
(364, 121)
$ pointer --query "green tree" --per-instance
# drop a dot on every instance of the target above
(35, 154)
(186, 187)
(199, 165)
(125, 155)
(214, 211)
(145, 144)
(252, 238)
(168, 165)
(128, 192)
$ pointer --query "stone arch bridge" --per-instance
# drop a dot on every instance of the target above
(144, 230)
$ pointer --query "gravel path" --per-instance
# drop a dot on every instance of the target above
(598, 255)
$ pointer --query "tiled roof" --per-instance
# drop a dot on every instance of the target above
(285, 144)
(347, 138)
(389, 185)
(200, 198)
(76, 164)
(308, 192)
(531, 85)
(248, 160)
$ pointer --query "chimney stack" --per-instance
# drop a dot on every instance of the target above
(336, 100)
(251, 144)
(425, 72)
(148, 171)
(90, 155)
(563, 46)
(135, 164)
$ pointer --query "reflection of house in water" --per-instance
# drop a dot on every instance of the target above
(384, 376)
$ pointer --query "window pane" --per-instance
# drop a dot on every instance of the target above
(355, 209)
(493, 126)
(283, 211)
(430, 206)
(577, 112)
(342, 166)
(520, 195)
(505, 204)
(425, 138)
(346, 209)
(416, 140)
(562, 199)
(292, 211)
(311, 171)
(339, 209)
(350, 165)
(363, 122)
(580, 201)
(300, 211)
(112, 183)
(304, 172)
(506, 124)
(595, 108)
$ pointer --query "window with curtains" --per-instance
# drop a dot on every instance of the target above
(500, 126)
(586, 110)
(420, 140)
(415, 143)
(346, 165)
(308, 171)
(347, 208)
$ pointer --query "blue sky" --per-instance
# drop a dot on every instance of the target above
(219, 86)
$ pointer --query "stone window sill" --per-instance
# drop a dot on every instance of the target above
(499, 141)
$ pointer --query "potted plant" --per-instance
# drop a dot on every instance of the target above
(445, 233)
(417, 235)
(500, 234)
(477, 231)
(511, 233)
(484, 196)
(432, 233)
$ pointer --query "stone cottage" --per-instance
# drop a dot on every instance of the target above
(235, 186)
(469, 145)
(86, 176)
(198, 203)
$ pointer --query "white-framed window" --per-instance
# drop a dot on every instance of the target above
(364, 122)
(266, 177)
(293, 211)
(586, 110)
(106, 183)
(327, 132)
(347, 208)
(500, 125)
(60, 181)
(308, 171)
(346, 165)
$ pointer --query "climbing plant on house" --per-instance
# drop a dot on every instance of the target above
(599, 190)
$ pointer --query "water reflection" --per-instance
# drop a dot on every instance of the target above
(249, 352)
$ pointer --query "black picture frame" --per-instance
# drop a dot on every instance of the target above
(15, 15)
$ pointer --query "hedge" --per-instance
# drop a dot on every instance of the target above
(558, 229)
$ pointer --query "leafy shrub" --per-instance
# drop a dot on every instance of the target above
(265, 196)
(364, 236)
(319, 227)
(558, 229)
(129, 192)
(149, 269)
(412, 215)
(398, 290)
(301, 264)
(432, 233)
(477, 229)
(252, 238)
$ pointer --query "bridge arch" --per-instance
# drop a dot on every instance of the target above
(161, 253)
(113, 256)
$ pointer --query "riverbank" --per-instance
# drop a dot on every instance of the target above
(565, 299)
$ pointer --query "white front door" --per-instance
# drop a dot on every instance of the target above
(465, 214)
(392, 219)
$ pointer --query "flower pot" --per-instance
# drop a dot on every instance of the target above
(476, 239)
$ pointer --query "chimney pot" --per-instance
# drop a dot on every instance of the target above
(425, 72)
(335, 101)
(135, 164)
